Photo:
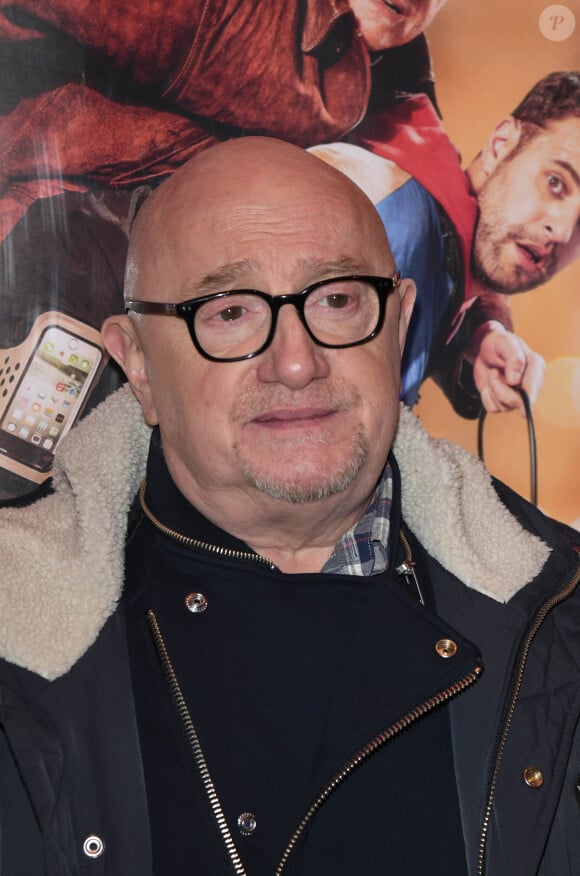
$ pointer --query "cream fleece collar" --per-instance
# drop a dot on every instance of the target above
(63, 557)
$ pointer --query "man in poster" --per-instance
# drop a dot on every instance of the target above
(505, 225)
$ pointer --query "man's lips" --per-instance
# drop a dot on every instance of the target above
(293, 416)
(535, 255)
(271, 405)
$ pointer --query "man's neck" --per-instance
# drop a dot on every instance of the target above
(295, 538)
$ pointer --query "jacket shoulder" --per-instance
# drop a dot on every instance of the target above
(554, 532)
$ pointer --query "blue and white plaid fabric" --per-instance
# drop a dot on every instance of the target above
(363, 549)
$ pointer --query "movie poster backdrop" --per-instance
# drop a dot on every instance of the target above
(103, 100)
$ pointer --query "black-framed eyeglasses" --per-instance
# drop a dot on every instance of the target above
(231, 326)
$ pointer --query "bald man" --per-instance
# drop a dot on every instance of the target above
(323, 643)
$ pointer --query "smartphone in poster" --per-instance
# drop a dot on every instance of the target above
(44, 385)
(453, 116)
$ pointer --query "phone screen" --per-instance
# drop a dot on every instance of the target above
(48, 397)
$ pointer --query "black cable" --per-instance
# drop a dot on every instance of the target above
(531, 440)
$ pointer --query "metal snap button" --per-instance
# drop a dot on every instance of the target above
(196, 602)
(246, 823)
(533, 777)
(446, 648)
(93, 846)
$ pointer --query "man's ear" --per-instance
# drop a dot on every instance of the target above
(407, 294)
(504, 139)
(122, 343)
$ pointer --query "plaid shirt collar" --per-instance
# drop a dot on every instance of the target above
(363, 550)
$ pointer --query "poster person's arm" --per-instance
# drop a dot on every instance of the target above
(126, 36)
(299, 76)
(485, 359)
(499, 358)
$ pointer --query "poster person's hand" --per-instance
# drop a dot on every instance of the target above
(502, 361)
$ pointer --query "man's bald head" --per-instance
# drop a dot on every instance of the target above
(225, 180)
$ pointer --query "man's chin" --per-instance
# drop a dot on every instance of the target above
(519, 281)
(509, 280)
(302, 493)
(510, 269)
(309, 478)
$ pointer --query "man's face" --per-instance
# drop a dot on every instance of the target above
(298, 422)
(529, 212)
(385, 24)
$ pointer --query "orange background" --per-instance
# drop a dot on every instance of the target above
(486, 56)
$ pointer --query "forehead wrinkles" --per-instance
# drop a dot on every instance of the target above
(288, 214)
(290, 232)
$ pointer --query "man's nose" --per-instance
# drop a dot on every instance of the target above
(292, 358)
(561, 222)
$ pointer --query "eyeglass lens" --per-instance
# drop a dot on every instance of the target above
(336, 313)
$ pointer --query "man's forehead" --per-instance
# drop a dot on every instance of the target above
(568, 127)
(296, 227)
(559, 137)
(190, 264)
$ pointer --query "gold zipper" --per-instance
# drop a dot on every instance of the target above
(364, 753)
(541, 615)
(201, 545)
(193, 739)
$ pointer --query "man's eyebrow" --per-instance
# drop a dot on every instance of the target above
(565, 165)
(341, 265)
(221, 278)
(232, 273)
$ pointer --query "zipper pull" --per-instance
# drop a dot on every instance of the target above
(407, 568)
